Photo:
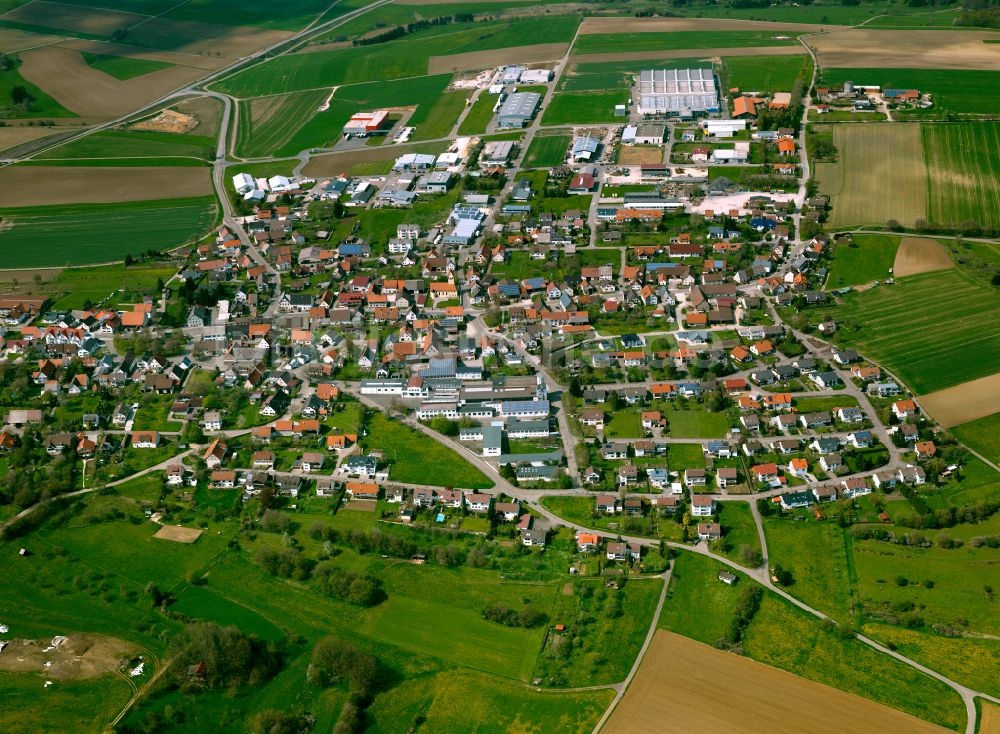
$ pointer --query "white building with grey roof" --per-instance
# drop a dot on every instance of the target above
(681, 92)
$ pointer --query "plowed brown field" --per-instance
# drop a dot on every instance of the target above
(920, 255)
(40, 185)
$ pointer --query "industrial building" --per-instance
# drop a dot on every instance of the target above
(366, 123)
(536, 76)
(511, 74)
(585, 148)
(497, 153)
(645, 134)
(518, 109)
(680, 92)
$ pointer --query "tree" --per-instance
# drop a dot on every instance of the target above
(574, 387)
(750, 556)
(21, 97)
(334, 660)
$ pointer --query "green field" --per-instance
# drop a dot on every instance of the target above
(919, 326)
(818, 556)
(437, 119)
(135, 147)
(738, 529)
(406, 57)
(982, 435)
(870, 258)
(122, 67)
(963, 171)
(79, 234)
(966, 92)
(607, 75)
(765, 73)
(695, 423)
(611, 43)
(547, 151)
(479, 116)
(278, 120)
(67, 703)
(519, 266)
(201, 603)
(698, 605)
(583, 107)
(419, 459)
(73, 287)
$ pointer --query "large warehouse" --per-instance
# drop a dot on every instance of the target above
(682, 92)
(518, 109)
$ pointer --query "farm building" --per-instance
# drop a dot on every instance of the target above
(366, 123)
(682, 92)
(585, 148)
(518, 109)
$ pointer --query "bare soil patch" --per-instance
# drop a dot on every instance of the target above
(989, 722)
(90, 93)
(694, 685)
(11, 136)
(920, 255)
(41, 185)
(361, 505)
(206, 110)
(567, 589)
(964, 402)
(870, 48)
(168, 121)
(486, 59)
(608, 24)
(79, 657)
(635, 154)
(74, 17)
(708, 54)
(178, 534)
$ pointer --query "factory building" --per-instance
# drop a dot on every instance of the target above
(681, 92)
(518, 109)
(366, 123)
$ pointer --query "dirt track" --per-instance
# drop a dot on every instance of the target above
(684, 686)
(869, 48)
(62, 73)
(964, 402)
(690, 53)
(485, 59)
(39, 185)
(608, 24)
(920, 255)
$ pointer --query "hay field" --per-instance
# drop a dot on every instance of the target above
(93, 21)
(48, 185)
(684, 685)
(608, 24)
(63, 73)
(920, 255)
(178, 534)
(963, 403)
(867, 185)
(485, 59)
(989, 722)
(636, 154)
(963, 163)
(862, 47)
(707, 54)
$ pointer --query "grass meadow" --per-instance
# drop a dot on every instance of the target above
(933, 330)
(583, 107)
(765, 73)
(122, 67)
(963, 168)
(437, 119)
(80, 234)
(133, 147)
(869, 258)
(478, 118)
(266, 123)
(609, 43)
(547, 151)
(982, 435)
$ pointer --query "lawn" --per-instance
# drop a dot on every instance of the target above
(869, 257)
(80, 234)
(695, 423)
(608, 43)
(818, 555)
(419, 459)
(519, 266)
(681, 456)
(815, 404)
(478, 118)
(122, 67)
(738, 528)
(789, 638)
(698, 605)
(624, 424)
(547, 151)
(982, 435)
(568, 108)
(765, 73)
(915, 327)
(153, 414)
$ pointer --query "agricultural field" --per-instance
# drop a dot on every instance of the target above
(982, 435)
(40, 103)
(417, 459)
(91, 233)
(869, 188)
(437, 120)
(765, 73)
(266, 123)
(921, 255)
(867, 257)
(681, 680)
(956, 91)
(611, 43)
(911, 49)
(911, 327)
(963, 165)
(583, 107)
(29, 186)
(132, 148)
(547, 151)
(122, 67)
(478, 118)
